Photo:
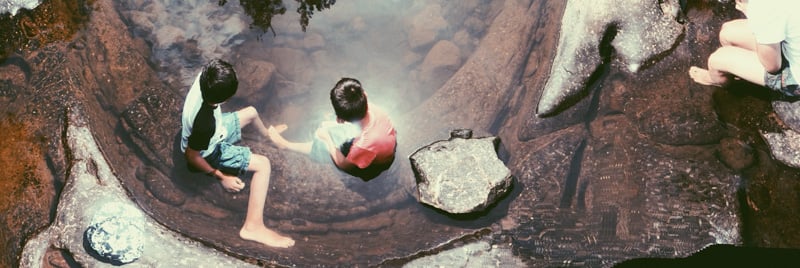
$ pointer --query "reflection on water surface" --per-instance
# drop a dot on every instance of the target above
(262, 11)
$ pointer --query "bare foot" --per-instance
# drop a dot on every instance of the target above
(701, 76)
(274, 133)
(280, 128)
(265, 236)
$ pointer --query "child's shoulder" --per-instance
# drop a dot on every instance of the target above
(377, 110)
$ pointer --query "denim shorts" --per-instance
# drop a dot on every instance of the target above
(229, 158)
(783, 81)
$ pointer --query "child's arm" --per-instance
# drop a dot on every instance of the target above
(230, 183)
(770, 56)
(338, 158)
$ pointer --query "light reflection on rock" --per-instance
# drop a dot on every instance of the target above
(585, 27)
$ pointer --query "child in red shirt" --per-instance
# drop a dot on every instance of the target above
(363, 142)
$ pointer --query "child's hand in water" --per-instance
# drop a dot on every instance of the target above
(231, 183)
(322, 133)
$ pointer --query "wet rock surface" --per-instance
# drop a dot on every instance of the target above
(461, 175)
(636, 169)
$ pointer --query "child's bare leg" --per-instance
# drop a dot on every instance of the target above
(254, 228)
(274, 133)
(737, 33)
(249, 115)
(727, 61)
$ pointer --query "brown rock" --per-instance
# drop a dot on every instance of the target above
(442, 61)
(162, 187)
(425, 26)
(254, 76)
(203, 208)
(293, 64)
(736, 154)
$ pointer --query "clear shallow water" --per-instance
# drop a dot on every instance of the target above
(361, 39)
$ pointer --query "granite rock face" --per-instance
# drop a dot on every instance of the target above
(476, 254)
(461, 175)
(786, 145)
(585, 27)
(90, 185)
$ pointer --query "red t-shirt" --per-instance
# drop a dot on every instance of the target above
(377, 141)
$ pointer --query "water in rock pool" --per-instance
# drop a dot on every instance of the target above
(286, 73)
(642, 165)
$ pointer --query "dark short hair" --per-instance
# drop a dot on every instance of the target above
(218, 81)
(348, 99)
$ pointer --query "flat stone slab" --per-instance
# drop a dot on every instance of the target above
(476, 254)
(462, 174)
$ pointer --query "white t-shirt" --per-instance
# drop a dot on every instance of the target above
(776, 21)
(192, 104)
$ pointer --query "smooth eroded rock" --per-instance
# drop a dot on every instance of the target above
(116, 233)
(591, 29)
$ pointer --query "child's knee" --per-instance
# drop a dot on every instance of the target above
(726, 32)
(249, 111)
(247, 114)
(259, 162)
(731, 31)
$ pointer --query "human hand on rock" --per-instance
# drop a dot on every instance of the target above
(231, 183)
